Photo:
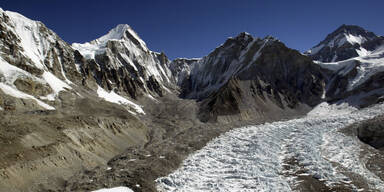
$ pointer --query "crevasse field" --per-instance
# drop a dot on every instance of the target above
(253, 158)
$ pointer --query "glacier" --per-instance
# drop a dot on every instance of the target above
(254, 158)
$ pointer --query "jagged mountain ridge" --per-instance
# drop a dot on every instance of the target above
(120, 61)
(248, 75)
(123, 62)
(345, 42)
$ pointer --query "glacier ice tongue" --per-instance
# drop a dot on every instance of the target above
(252, 158)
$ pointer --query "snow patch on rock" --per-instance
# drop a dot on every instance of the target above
(115, 98)
(88, 50)
(18, 94)
(115, 189)
(9, 73)
(55, 83)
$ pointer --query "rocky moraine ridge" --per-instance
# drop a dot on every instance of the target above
(111, 112)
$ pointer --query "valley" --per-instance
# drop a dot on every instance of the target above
(252, 115)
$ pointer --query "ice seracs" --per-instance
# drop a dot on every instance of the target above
(256, 158)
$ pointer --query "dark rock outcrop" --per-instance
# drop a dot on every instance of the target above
(371, 132)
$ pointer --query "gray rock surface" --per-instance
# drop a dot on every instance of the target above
(372, 132)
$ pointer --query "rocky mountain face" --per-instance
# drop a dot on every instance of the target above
(181, 69)
(356, 81)
(35, 64)
(120, 60)
(371, 132)
(64, 108)
(246, 74)
(355, 72)
(346, 42)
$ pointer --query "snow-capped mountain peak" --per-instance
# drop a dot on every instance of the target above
(121, 49)
(350, 34)
(345, 42)
(355, 30)
(121, 32)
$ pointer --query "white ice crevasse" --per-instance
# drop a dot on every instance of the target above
(253, 158)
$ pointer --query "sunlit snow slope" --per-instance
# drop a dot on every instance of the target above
(273, 156)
